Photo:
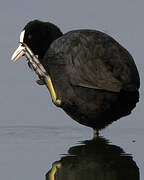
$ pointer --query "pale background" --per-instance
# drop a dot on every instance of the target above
(33, 132)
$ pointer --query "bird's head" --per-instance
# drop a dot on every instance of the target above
(38, 36)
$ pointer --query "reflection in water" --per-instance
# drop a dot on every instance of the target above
(94, 160)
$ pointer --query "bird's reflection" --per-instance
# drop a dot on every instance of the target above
(95, 159)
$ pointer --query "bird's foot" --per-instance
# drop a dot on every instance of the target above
(40, 82)
(35, 64)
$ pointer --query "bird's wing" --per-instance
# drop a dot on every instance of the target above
(94, 60)
(88, 65)
(92, 73)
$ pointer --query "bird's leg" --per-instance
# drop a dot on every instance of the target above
(95, 133)
(55, 166)
(41, 72)
(49, 84)
(40, 81)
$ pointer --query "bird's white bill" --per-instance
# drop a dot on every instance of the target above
(19, 52)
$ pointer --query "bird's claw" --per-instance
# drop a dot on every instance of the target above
(40, 82)
(34, 62)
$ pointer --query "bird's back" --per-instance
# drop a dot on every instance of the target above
(96, 60)
(95, 77)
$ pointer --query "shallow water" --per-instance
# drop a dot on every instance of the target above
(39, 152)
(35, 135)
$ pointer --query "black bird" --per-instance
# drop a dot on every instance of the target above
(93, 76)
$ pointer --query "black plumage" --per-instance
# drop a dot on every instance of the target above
(93, 75)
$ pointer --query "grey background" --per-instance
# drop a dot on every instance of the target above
(26, 108)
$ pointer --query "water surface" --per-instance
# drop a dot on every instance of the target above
(39, 152)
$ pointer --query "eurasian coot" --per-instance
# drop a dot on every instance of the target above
(93, 76)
